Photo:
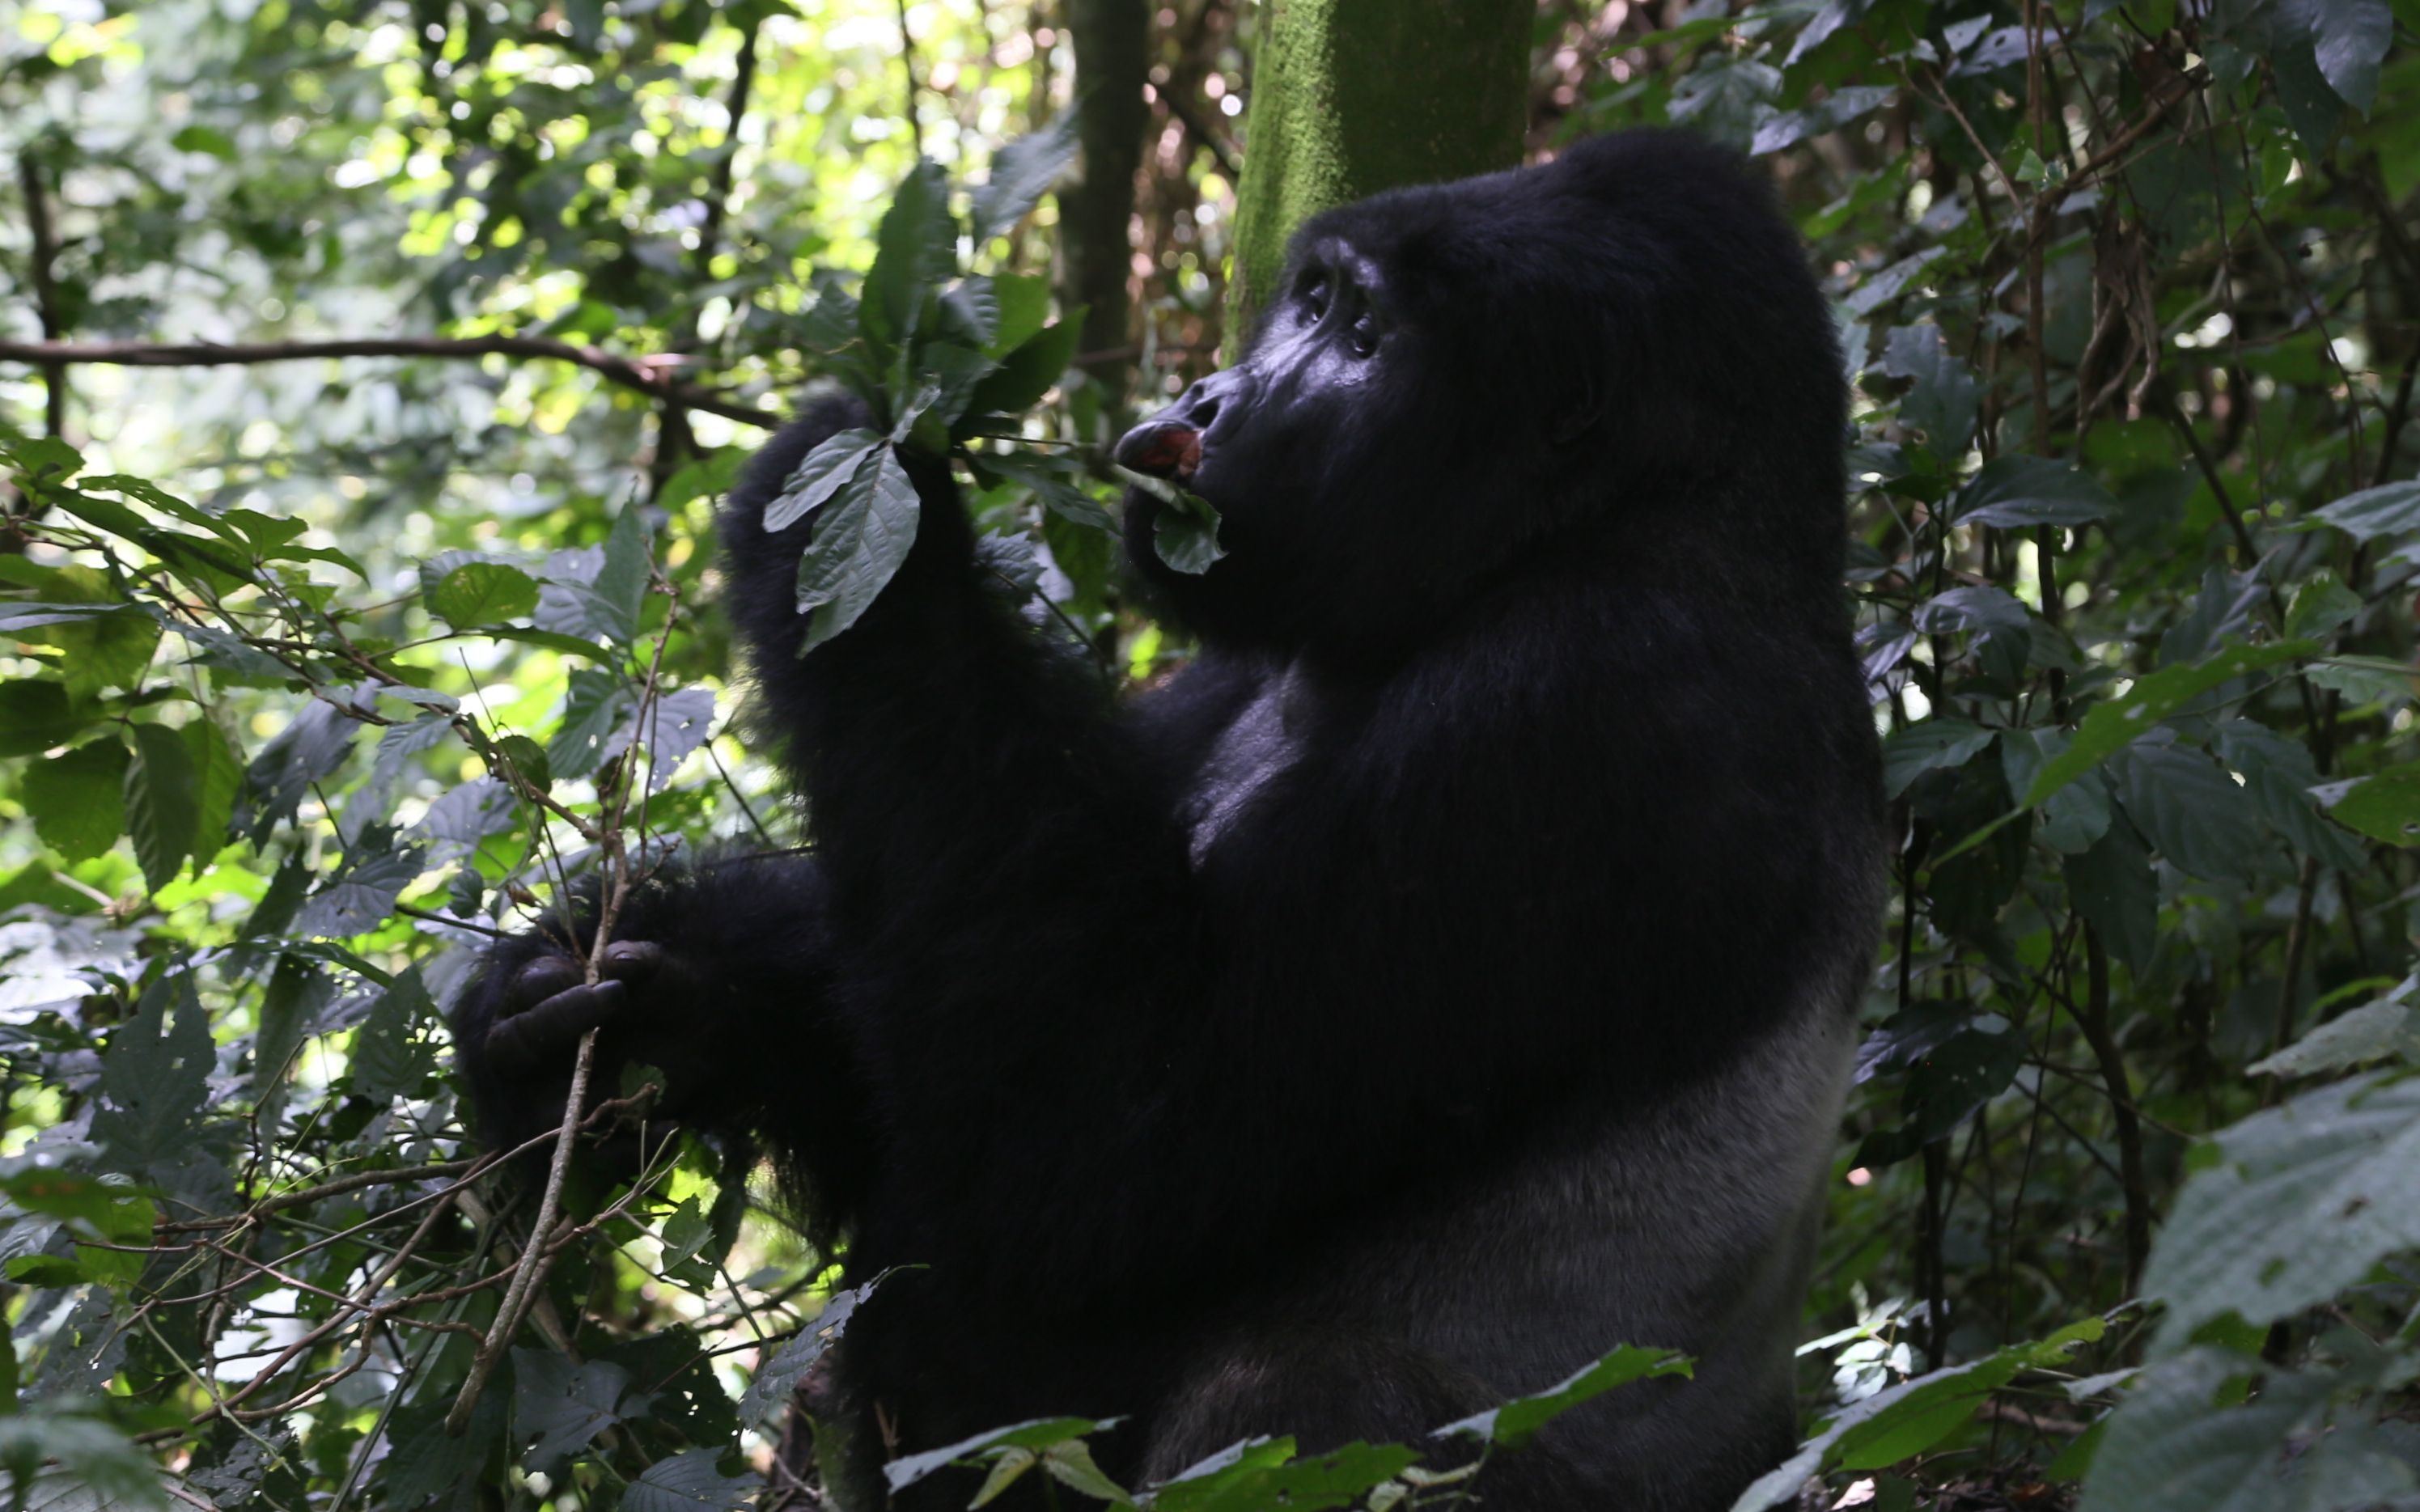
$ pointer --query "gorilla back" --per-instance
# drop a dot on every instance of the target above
(1446, 978)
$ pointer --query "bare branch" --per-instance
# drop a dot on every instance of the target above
(647, 374)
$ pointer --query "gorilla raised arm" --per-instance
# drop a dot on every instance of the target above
(1448, 976)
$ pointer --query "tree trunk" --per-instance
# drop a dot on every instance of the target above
(1351, 97)
(1110, 37)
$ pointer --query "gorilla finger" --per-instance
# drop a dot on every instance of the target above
(632, 960)
(550, 974)
(538, 1039)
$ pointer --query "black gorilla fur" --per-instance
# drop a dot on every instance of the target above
(1447, 976)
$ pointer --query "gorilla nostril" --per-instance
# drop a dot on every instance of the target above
(1205, 412)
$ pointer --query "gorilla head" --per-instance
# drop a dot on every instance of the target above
(1450, 381)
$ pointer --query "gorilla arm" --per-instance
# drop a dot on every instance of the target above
(719, 977)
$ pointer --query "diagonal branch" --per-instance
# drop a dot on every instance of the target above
(647, 374)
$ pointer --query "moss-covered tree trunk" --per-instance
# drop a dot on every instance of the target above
(1350, 97)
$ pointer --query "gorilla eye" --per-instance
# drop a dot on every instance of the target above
(1363, 339)
(1314, 298)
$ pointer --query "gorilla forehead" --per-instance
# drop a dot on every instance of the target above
(1628, 231)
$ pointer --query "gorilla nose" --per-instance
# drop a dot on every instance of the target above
(1164, 447)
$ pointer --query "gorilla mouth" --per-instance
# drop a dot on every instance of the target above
(1161, 449)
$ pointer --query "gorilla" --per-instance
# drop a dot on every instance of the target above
(1447, 976)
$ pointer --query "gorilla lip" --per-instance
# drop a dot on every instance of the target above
(1171, 451)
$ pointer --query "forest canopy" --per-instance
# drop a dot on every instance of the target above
(369, 373)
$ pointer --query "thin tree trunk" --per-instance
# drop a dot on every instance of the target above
(1094, 213)
(1351, 97)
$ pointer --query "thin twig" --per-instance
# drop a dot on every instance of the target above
(647, 375)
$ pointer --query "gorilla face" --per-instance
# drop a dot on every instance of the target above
(1456, 380)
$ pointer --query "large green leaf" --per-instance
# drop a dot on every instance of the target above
(2291, 1206)
(857, 544)
(1022, 172)
(78, 800)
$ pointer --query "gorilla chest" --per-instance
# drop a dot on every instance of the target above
(1262, 742)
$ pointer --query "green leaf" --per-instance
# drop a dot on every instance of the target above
(155, 1080)
(1071, 1465)
(2192, 810)
(2321, 605)
(2113, 888)
(2187, 1439)
(390, 1058)
(163, 797)
(2301, 1201)
(595, 705)
(621, 585)
(857, 547)
(2385, 807)
(2373, 513)
(361, 896)
(819, 474)
(690, 1482)
(1910, 753)
(1515, 1424)
(564, 1406)
(1263, 1475)
(1021, 173)
(206, 139)
(97, 1467)
(1944, 400)
(1024, 300)
(78, 800)
(479, 592)
(2374, 1031)
(34, 717)
(1838, 109)
(2349, 39)
(1034, 1433)
(768, 1391)
(1909, 1418)
(2011, 492)
(2114, 724)
(915, 246)
(1055, 481)
(1023, 376)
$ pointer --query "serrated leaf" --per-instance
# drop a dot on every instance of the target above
(564, 1406)
(78, 801)
(1944, 400)
(2373, 513)
(155, 1079)
(1021, 173)
(595, 703)
(2377, 1029)
(361, 896)
(1910, 1417)
(390, 1058)
(480, 592)
(1517, 1422)
(1910, 753)
(163, 799)
(314, 744)
(2385, 807)
(2301, 1202)
(2192, 810)
(2016, 491)
(819, 474)
(768, 1391)
(857, 547)
(690, 1482)
(2116, 723)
